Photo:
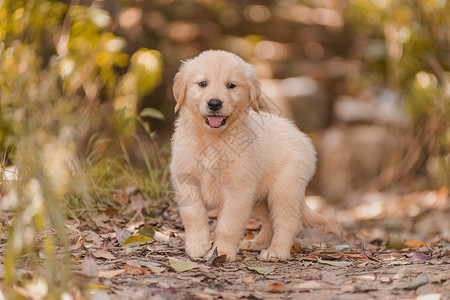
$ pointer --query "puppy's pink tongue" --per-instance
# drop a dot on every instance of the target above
(215, 121)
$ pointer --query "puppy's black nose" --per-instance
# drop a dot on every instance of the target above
(214, 104)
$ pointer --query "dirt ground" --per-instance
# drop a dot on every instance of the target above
(388, 256)
(391, 246)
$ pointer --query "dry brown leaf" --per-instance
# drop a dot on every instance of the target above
(156, 270)
(110, 273)
(134, 270)
(296, 247)
(103, 254)
(249, 235)
(121, 235)
(91, 240)
(89, 268)
(100, 221)
(121, 197)
(276, 287)
(308, 257)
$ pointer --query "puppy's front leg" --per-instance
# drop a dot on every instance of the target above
(195, 220)
(235, 211)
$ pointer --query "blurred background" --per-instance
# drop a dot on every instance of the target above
(86, 105)
(368, 80)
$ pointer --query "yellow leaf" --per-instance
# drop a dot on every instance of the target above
(136, 240)
(181, 266)
(97, 286)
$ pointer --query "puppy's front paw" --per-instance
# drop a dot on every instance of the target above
(197, 249)
(273, 255)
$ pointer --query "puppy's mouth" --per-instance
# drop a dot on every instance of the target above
(216, 121)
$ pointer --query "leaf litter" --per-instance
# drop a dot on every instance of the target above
(127, 254)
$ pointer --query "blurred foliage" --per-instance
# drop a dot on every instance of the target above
(406, 48)
(61, 67)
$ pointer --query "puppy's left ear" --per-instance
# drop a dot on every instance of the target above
(254, 89)
(179, 89)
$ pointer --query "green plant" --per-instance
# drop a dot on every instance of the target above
(59, 66)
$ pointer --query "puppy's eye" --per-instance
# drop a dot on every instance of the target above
(202, 84)
(231, 85)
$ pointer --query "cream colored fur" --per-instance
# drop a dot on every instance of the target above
(257, 163)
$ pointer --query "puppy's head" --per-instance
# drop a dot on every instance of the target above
(216, 87)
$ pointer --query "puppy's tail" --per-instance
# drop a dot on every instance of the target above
(312, 218)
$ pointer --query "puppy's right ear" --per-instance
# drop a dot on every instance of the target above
(179, 89)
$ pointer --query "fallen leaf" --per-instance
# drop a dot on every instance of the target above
(415, 243)
(395, 242)
(182, 266)
(296, 247)
(121, 235)
(418, 256)
(249, 235)
(89, 268)
(134, 270)
(308, 257)
(402, 273)
(103, 254)
(148, 231)
(276, 287)
(98, 286)
(261, 270)
(343, 248)
(100, 221)
(161, 237)
(209, 290)
(91, 240)
(136, 240)
(216, 259)
(110, 273)
(334, 263)
(156, 270)
(336, 255)
(414, 283)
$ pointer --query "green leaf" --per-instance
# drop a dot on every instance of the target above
(148, 231)
(261, 270)
(182, 266)
(136, 240)
(334, 263)
(152, 113)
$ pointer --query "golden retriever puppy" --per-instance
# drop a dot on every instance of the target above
(229, 155)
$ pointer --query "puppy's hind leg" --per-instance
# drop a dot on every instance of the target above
(264, 237)
(284, 203)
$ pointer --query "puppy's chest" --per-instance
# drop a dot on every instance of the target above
(214, 163)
